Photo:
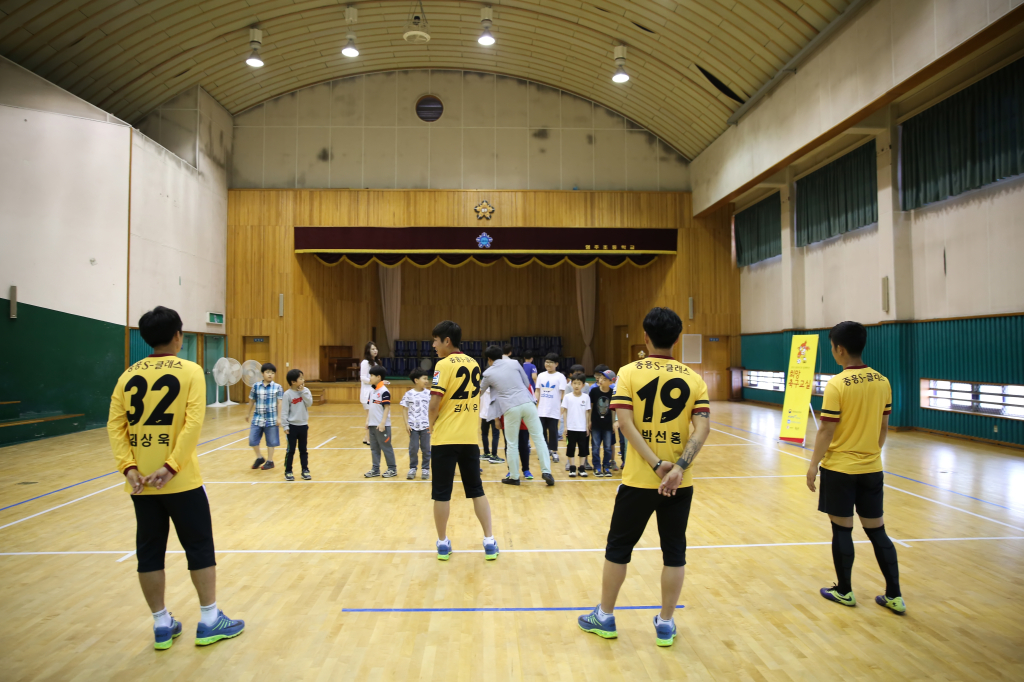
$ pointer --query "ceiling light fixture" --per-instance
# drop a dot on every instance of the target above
(620, 61)
(350, 49)
(255, 41)
(486, 39)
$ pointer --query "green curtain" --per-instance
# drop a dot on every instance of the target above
(967, 141)
(839, 197)
(759, 231)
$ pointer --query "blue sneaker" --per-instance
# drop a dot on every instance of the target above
(491, 550)
(527, 475)
(444, 550)
(224, 628)
(165, 636)
(664, 634)
(602, 628)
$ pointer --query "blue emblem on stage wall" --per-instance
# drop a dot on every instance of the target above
(484, 241)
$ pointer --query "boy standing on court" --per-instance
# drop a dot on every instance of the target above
(657, 397)
(156, 415)
(854, 422)
(379, 419)
(264, 406)
(454, 416)
(416, 404)
(601, 421)
(295, 420)
(550, 391)
(576, 413)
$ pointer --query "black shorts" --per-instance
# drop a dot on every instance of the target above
(443, 459)
(190, 511)
(839, 492)
(633, 509)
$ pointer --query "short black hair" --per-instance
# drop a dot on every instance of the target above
(528, 354)
(493, 352)
(417, 373)
(293, 376)
(552, 357)
(852, 336)
(378, 370)
(507, 349)
(578, 376)
(448, 330)
(159, 326)
(663, 326)
(576, 369)
(266, 366)
(600, 368)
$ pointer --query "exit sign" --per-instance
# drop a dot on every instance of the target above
(215, 318)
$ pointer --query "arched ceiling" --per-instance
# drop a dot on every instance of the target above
(129, 56)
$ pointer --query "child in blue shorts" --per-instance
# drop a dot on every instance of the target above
(264, 406)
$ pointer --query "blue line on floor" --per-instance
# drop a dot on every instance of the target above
(493, 609)
(888, 473)
(96, 478)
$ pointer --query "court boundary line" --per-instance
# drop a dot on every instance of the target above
(565, 550)
(493, 609)
(399, 480)
(96, 478)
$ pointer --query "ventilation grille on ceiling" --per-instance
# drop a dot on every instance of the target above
(722, 87)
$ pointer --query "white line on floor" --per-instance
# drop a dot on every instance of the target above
(892, 487)
(510, 551)
(399, 479)
(324, 443)
(129, 555)
(225, 446)
(14, 523)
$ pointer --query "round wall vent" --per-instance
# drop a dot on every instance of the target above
(429, 108)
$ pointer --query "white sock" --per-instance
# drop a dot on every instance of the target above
(162, 619)
(662, 621)
(443, 542)
(489, 539)
(208, 614)
(601, 614)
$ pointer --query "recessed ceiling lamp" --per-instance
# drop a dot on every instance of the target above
(486, 39)
(350, 50)
(620, 62)
(255, 41)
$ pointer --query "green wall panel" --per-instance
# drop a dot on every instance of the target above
(56, 363)
(989, 350)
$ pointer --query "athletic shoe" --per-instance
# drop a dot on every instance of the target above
(665, 633)
(306, 476)
(615, 467)
(289, 476)
(444, 550)
(588, 467)
(527, 475)
(548, 478)
(896, 604)
(583, 473)
(593, 623)
(224, 628)
(491, 550)
(554, 456)
(258, 463)
(426, 474)
(268, 466)
(371, 473)
(411, 475)
(567, 465)
(510, 481)
(833, 594)
(390, 473)
(494, 459)
(164, 637)
(572, 474)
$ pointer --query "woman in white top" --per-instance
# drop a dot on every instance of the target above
(369, 360)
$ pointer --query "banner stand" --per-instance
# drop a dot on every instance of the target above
(799, 387)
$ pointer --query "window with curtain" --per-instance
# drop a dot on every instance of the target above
(966, 141)
(759, 231)
(838, 198)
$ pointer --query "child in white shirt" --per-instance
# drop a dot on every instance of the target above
(550, 391)
(416, 404)
(576, 411)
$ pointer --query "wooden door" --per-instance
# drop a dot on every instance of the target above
(620, 346)
(637, 351)
(715, 366)
(253, 348)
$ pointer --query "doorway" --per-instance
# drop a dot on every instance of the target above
(253, 348)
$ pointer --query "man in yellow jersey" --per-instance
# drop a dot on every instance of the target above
(454, 415)
(156, 414)
(854, 421)
(656, 399)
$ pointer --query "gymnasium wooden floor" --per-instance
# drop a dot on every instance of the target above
(337, 578)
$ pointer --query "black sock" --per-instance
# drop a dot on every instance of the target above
(572, 468)
(842, 557)
(885, 553)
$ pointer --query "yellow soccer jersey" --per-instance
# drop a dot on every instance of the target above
(857, 398)
(457, 381)
(156, 414)
(662, 393)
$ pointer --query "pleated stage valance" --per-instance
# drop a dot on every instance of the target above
(456, 246)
